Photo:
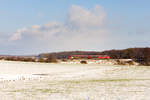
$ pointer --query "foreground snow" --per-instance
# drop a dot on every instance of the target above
(39, 81)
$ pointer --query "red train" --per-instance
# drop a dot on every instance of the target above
(88, 57)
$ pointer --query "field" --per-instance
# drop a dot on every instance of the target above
(41, 81)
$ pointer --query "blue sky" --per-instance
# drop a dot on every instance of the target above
(35, 26)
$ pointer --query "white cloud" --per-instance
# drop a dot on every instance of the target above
(83, 29)
(80, 17)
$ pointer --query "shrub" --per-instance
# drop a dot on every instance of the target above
(120, 62)
(41, 60)
(64, 60)
(51, 59)
(83, 62)
(130, 62)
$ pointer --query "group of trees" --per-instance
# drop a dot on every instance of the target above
(17, 58)
(140, 55)
(65, 55)
(48, 58)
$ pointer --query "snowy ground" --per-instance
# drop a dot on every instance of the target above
(39, 81)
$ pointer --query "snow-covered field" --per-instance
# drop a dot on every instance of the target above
(40, 81)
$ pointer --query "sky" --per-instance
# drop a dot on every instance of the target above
(39, 26)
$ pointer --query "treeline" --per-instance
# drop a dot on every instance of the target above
(18, 58)
(65, 54)
(46, 59)
(140, 55)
